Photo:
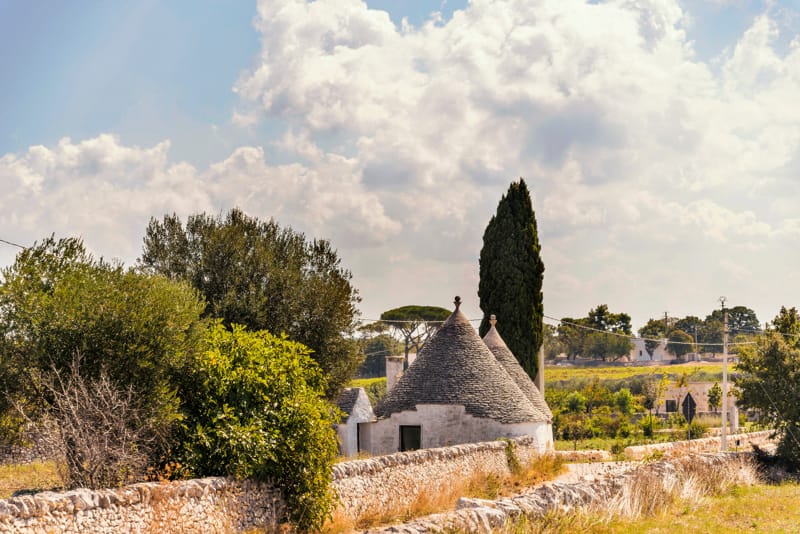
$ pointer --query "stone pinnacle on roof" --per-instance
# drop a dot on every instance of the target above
(514, 369)
(456, 368)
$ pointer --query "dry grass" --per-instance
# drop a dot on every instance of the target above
(445, 496)
(652, 492)
(34, 476)
(489, 486)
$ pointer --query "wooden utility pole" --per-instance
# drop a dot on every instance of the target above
(723, 440)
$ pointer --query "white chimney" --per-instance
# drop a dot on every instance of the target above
(394, 370)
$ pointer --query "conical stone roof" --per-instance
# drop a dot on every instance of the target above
(456, 368)
(515, 370)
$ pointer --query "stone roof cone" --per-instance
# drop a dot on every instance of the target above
(514, 369)
(455, 367)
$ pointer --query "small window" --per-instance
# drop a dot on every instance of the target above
(410, 438)
(672, 405)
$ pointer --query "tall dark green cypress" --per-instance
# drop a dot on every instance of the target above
(512, 271)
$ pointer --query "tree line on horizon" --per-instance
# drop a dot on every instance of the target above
(607, 336)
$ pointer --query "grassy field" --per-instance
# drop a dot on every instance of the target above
(32, 476)
(760, 508)
(366, 382)
(559, 373)
(696, 372)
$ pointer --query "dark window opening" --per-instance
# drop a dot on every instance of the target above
(410, 438)
(672, 406)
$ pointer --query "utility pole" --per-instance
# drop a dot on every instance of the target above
(723, 443)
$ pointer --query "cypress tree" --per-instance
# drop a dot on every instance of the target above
(511, 274)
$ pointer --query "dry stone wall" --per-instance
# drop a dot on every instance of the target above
(202, 505)
(396, 480)
(736, 442)
(224, 505)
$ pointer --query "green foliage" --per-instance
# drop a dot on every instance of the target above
(680, 343)
(265, 277)
(654, 388)
(769, 375)
(375, 350)
(697, 429)
(58, 303)
(714, 397)
(787, 322)
(576, 402)
(624, 401)
(587, 336)
(552, 344)
(649, 424)
(415, 313)
(414, 325)
(511, 274)
(375, 388)
(741, 320)
(254, 408)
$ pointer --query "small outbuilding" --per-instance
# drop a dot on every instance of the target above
(456, 392)
(354, 404)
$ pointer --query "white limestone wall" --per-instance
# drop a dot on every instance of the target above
(446, 425)
(394, 481)
(348, 432)
(188, 506)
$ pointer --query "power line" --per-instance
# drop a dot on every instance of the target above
(12, 244)
(632, 337)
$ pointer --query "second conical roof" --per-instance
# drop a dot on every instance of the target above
(515, 370)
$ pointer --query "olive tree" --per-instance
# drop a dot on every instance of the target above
(132, 333)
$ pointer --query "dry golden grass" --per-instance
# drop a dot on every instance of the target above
(28, 477)
(433, 500)
(649, 497)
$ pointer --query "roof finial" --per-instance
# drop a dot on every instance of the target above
(457, 302)
(492, 319)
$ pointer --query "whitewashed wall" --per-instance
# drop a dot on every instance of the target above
(446, 425)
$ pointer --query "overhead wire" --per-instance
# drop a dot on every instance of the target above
(12, 244)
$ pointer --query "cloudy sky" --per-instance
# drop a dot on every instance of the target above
(660, 138)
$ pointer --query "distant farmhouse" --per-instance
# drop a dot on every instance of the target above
(695, 394)
(460, 389)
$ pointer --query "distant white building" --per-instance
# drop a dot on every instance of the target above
(639, 352)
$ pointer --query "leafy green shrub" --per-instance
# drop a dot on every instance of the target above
(255, 409)
(676, 420)
(624, 401)
(697, 429)
(649, 424)
(58, 304)
(376, 391)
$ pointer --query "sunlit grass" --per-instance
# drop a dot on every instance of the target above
(365, 382)
(695, 372)
(437, 499)
(33, 476)
(760, 508)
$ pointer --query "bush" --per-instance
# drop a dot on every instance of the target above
(255, 409)
(98, 429)
(649, 424)
(697, 429)
(133, 332)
